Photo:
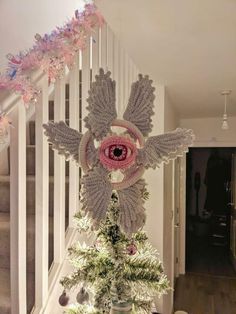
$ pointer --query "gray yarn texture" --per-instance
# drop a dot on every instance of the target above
(102, 105)
(96, 183)
(140, 105)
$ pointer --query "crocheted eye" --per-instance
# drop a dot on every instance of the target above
(117, 152)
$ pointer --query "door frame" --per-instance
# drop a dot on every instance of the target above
(182, 210)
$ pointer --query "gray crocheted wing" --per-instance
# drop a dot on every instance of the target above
(96, 194)
(165, 147)
(140, 106)
(102, 107)
(132, 213)
(92, 153)
(64, 139)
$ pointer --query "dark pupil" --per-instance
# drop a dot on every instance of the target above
(117, 152)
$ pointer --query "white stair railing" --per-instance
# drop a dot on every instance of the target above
(74, 94)
(103, 50)
(41, 197)
(18, 210)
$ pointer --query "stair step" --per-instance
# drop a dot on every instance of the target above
(30, 199)
(5, 298)
(5, 241)
(30, 163)
(50, 117)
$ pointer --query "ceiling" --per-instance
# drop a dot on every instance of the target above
(21, 20)
(189, 46)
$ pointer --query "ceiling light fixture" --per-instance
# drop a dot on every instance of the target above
(225, 125)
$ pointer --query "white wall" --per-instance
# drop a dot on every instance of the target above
(159, 206)
(154, 178)
(21, 20)
(170, 123)
(208, 131)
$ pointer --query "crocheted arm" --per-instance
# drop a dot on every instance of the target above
(140, 105)
(64, 139)
(96, 194)
(132, 213)
(102, 108)
(165, 147)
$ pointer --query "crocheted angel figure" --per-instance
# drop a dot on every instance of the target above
(101, 150)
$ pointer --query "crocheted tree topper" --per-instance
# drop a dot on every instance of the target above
(130, 151)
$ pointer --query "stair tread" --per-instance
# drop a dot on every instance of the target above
(6, 178)
(29, 177)
(5, 222)
(5, 288)
(51, 120)
(5, 299)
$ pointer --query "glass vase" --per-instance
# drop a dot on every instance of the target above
(121, 308)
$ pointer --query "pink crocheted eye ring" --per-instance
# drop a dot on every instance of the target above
(111, 147)
(117, 152)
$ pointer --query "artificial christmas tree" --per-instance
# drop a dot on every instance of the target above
(122, 270)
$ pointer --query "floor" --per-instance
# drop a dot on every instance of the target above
(203, 258)
(205, 294)
(209, 286)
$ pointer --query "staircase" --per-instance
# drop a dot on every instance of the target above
(39, 194)
(5, 307)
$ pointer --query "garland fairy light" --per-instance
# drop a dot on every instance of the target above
(50, 53)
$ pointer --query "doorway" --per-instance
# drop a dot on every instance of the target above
(208, 284)
(208, 211)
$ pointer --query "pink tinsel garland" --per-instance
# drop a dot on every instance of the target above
(51, 53)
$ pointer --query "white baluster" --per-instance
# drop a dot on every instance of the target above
(95, 53)
(100, 47)
(85, 80)
(116, 73)
(74, 123)
(134, 74)
(126, 80)
(18, 210)
(137, 72)
(59, 179)
(110, 50)
(104, 47)
(130, 80)
(41, 198)
(121, 83)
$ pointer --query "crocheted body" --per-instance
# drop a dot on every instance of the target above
(130, 153)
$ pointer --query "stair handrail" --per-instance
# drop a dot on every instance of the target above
(11, 99)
